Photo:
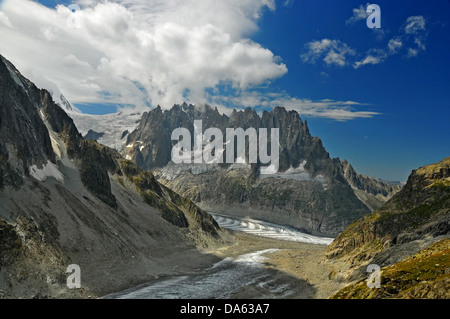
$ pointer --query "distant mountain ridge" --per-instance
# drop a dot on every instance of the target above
(372, 192)
(311, 191)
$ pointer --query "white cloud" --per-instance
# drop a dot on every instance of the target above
(4, 21)
(411, 39)
(374, 56)
(288, 3)
(159, 52)
(370, 59)
(139, 52)
(412, 53)
(415, 24)
(332, 52)
(358, 14)
(394, 45)
(414, 30)
(336, 110)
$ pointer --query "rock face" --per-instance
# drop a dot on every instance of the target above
(411, 220)
(150, 145)
(67, 200)
(372, 192)
(24, 138)
(93, 135)
(311, 191)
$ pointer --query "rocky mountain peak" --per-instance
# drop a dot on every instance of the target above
(312, 184)
(296, 144)
(24, 139)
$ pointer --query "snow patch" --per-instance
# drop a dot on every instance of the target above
(299, 173)
(112, 125)
(49, 170)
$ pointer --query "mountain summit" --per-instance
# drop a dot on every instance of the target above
(311, 191)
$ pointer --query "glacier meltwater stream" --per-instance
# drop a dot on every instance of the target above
(230, 275)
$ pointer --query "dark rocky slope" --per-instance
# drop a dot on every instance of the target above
(415, 218)
(66, 200)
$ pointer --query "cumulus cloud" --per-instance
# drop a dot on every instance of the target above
(158, 52)
(139, 52)
(4, 20)
(330, 51)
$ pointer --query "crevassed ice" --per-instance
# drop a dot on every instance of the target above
(269, 230)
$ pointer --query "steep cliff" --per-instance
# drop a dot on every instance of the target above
(372, 192)
(67, 200)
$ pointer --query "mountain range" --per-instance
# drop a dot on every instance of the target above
(311, 191)
(126, 214)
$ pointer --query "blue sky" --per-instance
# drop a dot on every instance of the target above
(412, 94)
(376, 97)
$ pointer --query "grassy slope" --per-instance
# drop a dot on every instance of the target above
(422, 275)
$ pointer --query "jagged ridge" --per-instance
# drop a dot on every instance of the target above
(303, 203)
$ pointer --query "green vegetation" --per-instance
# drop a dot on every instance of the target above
(423, 275)
(421, 201)
(421, 210)
(121, 182)
(9, 243)
(279, 197)
(153, 194)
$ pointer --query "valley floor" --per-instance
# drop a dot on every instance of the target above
(294, 261)
(251, 267)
